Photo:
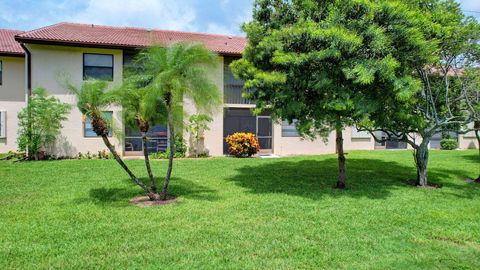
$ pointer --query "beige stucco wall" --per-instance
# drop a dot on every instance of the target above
(213, 138)
(53, 64)
(299, 146)
(354, 143)
(12, 98)
(468, 141)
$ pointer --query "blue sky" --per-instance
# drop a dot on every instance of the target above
(213, 16)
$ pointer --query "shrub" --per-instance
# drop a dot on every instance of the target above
(448, 144)
(180, 150)
(40, 122)
(12, 155)
(164, 155)
(196, 126)
(180, 147)
(104, 155)
(242, 144)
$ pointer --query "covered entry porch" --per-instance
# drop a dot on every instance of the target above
(243, 120)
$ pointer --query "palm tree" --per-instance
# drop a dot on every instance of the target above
(92, 99)
(180, 71)
(141, 109)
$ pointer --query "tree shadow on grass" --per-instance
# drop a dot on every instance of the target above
(372, 178)
(475, 158)
(178, 187)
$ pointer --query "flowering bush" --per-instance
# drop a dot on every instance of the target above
(242, 144)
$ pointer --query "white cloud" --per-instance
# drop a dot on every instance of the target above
(233, 27)
(165, 14)
(215, 28)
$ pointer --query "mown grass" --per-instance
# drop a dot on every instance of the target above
(243, 214)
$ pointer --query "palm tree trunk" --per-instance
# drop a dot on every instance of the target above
(341, 183)
(171, 147)
(153, 185)
(124, 166)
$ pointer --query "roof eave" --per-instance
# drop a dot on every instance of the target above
(92, 45)
(12, 54)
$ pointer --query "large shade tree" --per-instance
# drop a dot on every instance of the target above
(175, 72)
(319, 62)
(471, 81)
(444, 102)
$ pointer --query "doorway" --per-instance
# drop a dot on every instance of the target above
(388, 144)
(242, 120)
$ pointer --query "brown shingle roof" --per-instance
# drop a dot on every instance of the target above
(8, 45)
(127, 37)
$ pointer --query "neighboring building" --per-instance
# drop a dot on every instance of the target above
(77, 51)
(12, 88)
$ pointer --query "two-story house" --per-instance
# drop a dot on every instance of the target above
(45, 57)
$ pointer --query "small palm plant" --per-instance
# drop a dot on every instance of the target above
(173, 73)
(92, 100)
(141, 109)
(197, 124)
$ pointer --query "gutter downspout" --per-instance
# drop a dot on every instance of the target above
(28, 91)
(29, 70)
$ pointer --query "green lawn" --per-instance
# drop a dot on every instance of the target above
(244, 214)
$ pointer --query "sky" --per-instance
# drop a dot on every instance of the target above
(211, 16)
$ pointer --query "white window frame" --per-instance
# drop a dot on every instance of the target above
(360, 134)
(285, 132)
(3, 124)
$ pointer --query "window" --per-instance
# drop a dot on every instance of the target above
(88, 129)
(98, 66)
(289, 129)
(129, 58)
(1, 72)
(360, 134)
(233, 87)
(3, 124)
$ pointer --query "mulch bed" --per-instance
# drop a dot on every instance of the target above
(144, 201)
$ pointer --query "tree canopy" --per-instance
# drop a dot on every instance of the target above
(174, 73)
(446, 99)
(328, 64)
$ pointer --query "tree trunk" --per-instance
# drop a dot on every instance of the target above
(421, 162)
(124, 166)
(197, 145)
(477, 134)
(153, 185)
(171, 147)
(341, 159)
